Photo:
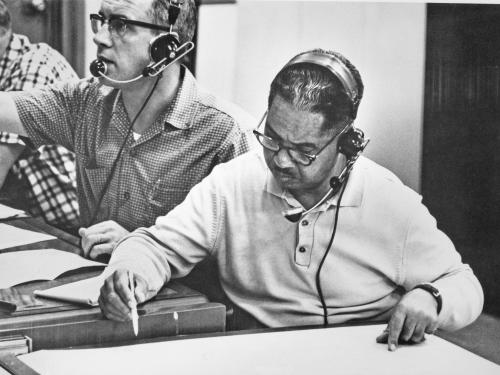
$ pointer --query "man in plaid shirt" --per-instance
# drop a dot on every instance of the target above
(42, 181)
(141, 141)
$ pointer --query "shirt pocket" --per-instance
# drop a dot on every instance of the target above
(164, 196)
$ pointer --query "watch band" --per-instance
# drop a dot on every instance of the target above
(434, 292)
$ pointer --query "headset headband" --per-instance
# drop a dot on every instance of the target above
(334, 65)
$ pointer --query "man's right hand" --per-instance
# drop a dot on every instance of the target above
(116, 295)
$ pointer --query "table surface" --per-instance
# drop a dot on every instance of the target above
(346, 350)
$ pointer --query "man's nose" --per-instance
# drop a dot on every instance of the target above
(103, 36)
(283, 159)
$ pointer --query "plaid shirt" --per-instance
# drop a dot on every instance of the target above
(155, 172)
(47, 173)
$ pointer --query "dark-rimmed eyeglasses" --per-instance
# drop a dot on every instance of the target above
(297, 156)
(117, 25)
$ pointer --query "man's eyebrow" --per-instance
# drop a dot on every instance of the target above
(276, 135)
(117, 15)
(112, 15)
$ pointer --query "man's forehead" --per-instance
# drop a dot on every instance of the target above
(130, 8)
(298, 126)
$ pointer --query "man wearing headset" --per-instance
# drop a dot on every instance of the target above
(143, 135)
(305, 232)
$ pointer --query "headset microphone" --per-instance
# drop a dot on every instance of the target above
(351, 144)
(164, 50)
(98, 67)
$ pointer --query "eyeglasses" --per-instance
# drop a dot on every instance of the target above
(117, 25)
(296, 155)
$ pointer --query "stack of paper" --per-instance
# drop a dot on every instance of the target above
(7, 213)
(45, 264)
(13, 236)
(84, 291)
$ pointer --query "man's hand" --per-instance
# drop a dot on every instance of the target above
(101, 238)
(116, 299)
(415, 315)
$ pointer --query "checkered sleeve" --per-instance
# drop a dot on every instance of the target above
(11, 138)
(49, 115)
(49, 171)
(236, 143)
(39, 67)
(238, 137)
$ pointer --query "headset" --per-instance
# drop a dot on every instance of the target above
(352, 141)
(164, 50)
(351, 144)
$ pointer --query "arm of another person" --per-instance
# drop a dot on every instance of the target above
(101, 239)
(9, 122)
(38, 68)
(430, 257)
(169, 249)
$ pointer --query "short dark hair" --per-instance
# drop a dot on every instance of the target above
(312, 87)
(5, 20)
(186, 21)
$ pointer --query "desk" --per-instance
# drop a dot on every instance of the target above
(343, 350)
(59, 324)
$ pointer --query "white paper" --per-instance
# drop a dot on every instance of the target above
(45, 264)
(9, 212)
(346, 350)
(12, 236)
(84, 291)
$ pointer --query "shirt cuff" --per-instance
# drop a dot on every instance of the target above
(11, 138)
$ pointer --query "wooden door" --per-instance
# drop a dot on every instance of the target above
(461, 147)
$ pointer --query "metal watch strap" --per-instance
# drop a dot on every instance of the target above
(434, 292)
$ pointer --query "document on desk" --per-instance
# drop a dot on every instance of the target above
(85, 291)
(12, 236)
(17, 267)
(7, 212)
(345, 350)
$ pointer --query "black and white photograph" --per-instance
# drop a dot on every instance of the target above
(249, 187)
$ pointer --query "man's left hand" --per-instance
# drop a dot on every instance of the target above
(101, 238)
(415, 315)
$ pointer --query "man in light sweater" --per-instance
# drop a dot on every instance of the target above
(306, 231)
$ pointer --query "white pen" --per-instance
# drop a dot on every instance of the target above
(133, 305)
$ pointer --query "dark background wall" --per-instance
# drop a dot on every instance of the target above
(59, 23)
(461, 153)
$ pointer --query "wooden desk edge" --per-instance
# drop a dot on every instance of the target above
(13, 365)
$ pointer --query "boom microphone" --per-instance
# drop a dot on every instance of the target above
(98, 68)
(162, 53)
(336, 182)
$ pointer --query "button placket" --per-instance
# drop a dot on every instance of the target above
(305, 239)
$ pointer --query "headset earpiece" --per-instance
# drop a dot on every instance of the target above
(351, 142)
(164, 46)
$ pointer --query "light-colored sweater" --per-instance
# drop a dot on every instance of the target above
(386, 243)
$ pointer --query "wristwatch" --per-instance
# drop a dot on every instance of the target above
(435, 293)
